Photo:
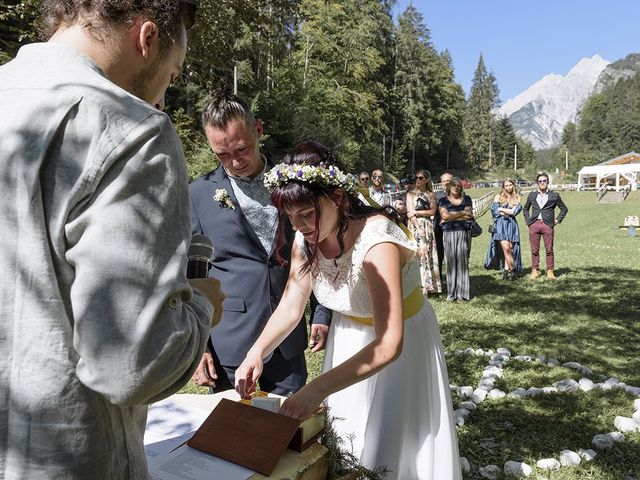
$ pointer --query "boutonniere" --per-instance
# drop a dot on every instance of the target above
(222, 196)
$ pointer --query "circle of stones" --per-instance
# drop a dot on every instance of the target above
(498, 359)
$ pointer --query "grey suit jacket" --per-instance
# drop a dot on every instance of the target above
(251, 278)
(547, 211)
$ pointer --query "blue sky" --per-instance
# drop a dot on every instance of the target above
(523, 40)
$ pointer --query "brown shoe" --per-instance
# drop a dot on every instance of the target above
(535, 273)
(550, 275)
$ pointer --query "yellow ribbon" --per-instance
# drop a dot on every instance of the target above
(411, 305)
(367, 196)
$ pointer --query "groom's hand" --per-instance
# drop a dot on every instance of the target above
(318, 337)
(205, 375)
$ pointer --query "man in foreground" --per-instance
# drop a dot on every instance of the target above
(233, 207)
(97, 317)
(539, 214)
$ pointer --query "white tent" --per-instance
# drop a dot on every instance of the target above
(617, 173)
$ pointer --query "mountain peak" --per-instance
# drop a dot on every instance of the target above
(540, 113)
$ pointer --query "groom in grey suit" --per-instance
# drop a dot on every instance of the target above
(232, 206)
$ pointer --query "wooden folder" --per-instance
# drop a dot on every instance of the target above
(245, 435)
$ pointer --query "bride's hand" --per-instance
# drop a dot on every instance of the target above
(247, 375)
(301, 405)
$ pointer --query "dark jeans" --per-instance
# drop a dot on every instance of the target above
(536, 230)
(279, 375)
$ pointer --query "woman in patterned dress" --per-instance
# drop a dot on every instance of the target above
(421, 205)
(384, 375)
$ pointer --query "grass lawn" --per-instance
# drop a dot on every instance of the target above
(590, 315)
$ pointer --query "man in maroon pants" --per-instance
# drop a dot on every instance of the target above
(539, 215)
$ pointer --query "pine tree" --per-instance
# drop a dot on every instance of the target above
(479, 123)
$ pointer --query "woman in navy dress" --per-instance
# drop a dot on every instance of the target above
(504, 248)
(456, 209)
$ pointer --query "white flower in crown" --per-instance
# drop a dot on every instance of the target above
(327, 175)
(222, 196)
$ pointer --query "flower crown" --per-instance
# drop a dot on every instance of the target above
(327, 175)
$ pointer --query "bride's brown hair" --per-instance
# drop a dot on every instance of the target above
(295, 192)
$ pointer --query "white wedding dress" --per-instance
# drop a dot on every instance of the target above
(402, 416)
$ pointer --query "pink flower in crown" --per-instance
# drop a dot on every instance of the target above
(222, 196)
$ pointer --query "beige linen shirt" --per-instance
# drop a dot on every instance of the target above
(96, 316)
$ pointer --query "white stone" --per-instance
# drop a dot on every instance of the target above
(553, 362)
(616, 437)
(495, 394)
(636, 416)
(610, 383)
(518, 393)
(459, 415)
(453, 388)
(489, 472)
(496, 363)
(573, 365)
(467, 405)
(566, 385)
(489, 352)
(636, 403)
(549, 389)
(635, 391)
(625, 424)
(488, 381)
(587, 454)
(548, 464)
(517, 469)
(585, 384)
(480, 352)
(492, 371)
(504, 351)
(523, 358)
(586, 371)
(479, 394)
(496, 357)
(465, 392)
(541, 358)
(602, 441)
(569, 458)
(465, 465)
(534, 392)
(470, 351)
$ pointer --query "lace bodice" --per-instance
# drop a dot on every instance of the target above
(341, 285)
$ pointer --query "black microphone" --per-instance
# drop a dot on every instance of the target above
(199, 254)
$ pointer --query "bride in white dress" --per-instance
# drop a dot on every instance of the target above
(384, 375)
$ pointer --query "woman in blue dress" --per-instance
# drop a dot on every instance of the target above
(504, 248)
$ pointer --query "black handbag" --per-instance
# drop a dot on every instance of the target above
(422, 204)
(492, 227)
(474, 227)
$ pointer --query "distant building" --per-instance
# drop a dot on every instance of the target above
(617, 173)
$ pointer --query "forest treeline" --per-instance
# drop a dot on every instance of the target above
(375, 90)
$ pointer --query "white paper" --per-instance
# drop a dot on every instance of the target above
(187, 463)
(169, 424)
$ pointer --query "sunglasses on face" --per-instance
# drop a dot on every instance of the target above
(420, 177)
(376, 176)
(543, 181)
(364, 179)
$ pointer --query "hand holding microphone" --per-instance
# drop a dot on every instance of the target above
(199, 254)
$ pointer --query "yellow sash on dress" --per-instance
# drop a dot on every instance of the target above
(411, 305)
